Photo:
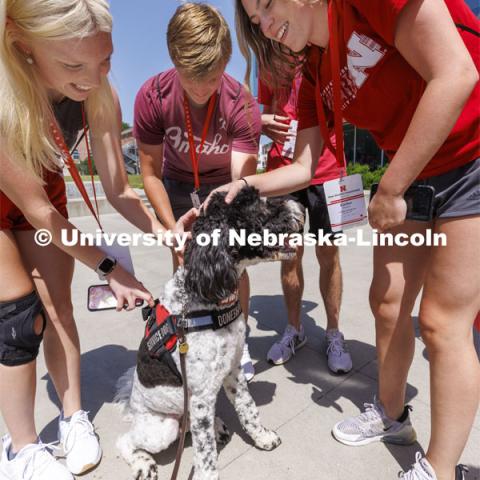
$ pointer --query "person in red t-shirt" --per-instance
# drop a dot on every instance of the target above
(406, 70)
(173, 110)
(279, 120)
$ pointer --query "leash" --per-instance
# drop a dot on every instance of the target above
(183, 350)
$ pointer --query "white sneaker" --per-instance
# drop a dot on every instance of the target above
(338, 356)
(247, 364)
(32, 462)
(80, 444)
(373, 425)
(422, 470)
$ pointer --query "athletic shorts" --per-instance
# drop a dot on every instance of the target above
(11, 218)
(313, 201)
(457, 192)
(179, 195)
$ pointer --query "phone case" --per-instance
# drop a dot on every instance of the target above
(138, 301)
(419, 199)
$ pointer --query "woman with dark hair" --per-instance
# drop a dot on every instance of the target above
(408, 72)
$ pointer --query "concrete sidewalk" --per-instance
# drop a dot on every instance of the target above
(300, 400)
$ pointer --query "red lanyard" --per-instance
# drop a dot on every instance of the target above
(72, 168)
(337, 96)
(206, 126)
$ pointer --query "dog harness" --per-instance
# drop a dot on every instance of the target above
(161, 328)
(164, 331)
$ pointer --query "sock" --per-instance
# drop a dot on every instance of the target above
(404, 415)
(64, 419)
(10, 454)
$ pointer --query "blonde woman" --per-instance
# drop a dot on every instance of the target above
(54, 58)
(196, 127)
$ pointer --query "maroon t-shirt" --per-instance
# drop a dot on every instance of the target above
(160, 119)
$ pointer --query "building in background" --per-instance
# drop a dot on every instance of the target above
(130, 152)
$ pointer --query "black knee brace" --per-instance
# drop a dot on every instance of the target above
(19, 344)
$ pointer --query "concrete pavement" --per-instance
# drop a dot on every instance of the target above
(300, 400)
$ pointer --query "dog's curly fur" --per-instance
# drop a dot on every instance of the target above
(152, 395)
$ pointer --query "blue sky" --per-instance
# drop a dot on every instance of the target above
(139, 37)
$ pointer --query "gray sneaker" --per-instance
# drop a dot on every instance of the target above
(422, 470)
(373, 425)
(283, 350)
(338, 356)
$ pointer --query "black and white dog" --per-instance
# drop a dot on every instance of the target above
(152, 391)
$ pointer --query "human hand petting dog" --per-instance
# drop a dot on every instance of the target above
(232, 189)
(182, 227)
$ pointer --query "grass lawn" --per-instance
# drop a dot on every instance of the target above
(135, 181)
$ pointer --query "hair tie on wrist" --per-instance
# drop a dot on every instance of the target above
(246, 183)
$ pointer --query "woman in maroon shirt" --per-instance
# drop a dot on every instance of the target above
(196, 126)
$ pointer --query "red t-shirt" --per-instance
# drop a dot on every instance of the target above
(159, 118)
(381, 90)
(286, 105)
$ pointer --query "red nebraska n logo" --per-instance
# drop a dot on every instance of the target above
(343, 188)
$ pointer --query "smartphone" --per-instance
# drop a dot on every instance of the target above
(101, 297)
(419, 199)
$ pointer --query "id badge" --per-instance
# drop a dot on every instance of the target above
(289, 145)
(195, 199)
(345, 202)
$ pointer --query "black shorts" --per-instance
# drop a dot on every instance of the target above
(179, 194)
(313, 200)
(457, 192)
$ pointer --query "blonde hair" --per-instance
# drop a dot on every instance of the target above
(26, 111)
(277, 64)
(198, 39)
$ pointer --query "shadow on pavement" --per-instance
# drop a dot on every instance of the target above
(359, 386)
(101, 368)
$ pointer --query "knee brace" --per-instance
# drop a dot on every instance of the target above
(19, 343)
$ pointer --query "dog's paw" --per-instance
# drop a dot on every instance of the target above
(222, 435)
(144, 467)
(267, 440)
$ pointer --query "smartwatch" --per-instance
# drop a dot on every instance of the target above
(105, 267)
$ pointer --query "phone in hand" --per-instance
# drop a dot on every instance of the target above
(419, 199)
(101, 297)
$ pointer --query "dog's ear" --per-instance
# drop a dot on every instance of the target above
(211, 275)
(283, 213)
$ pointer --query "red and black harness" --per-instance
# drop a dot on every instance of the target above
(162, 327)
(164, 331)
